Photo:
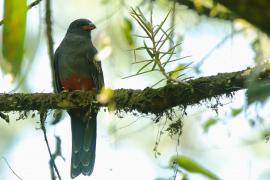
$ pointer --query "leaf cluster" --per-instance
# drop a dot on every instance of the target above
(158, 37)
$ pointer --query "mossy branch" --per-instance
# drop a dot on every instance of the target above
(148, 100)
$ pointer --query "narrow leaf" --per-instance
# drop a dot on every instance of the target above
(167, 38)
(144, 20)
(143, 61)
(174, 73)
(148, 50)
(162, 23)
(157, 83)
(173, 60)
(236, 112)
(192, 166)
(140, 19)
(13, 34)
(144, 66)
(127, 29)
(210, 122)
(138, 48)
(154, 66)
(138, 74)
(141, 36)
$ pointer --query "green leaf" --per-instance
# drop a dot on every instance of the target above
(143, 61)
(166, 39)
(148, 24)
(149, 51)
(161, 24)
(173, 60)
(138, 74)
(168, 36)
(174, 73)
(13, 34)
(210, 122)
(235, 112)
(192, 166)
(258, 91)
(141, 21)
(143, 67)
(127, 28)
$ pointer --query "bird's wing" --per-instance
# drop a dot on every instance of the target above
(95, 69)
(57, 84)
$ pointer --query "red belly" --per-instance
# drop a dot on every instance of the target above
(74, 82)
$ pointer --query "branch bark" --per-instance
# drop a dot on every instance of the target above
(145, 101)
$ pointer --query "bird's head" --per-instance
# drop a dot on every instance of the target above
(81, 27)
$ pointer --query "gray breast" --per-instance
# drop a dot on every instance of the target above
(74, 58)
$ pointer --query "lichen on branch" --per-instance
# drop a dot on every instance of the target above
(148, 100)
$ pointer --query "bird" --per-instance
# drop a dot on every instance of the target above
(76, 68)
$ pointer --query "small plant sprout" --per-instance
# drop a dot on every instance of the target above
(159, 56)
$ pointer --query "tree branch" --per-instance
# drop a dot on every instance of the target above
(145, 101)
(254, 11)
(33, 4)
(43, 116)
(48, 19)
(203, 10)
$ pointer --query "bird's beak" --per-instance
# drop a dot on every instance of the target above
(89, 27)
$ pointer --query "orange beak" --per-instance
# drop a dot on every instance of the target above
(89, 27)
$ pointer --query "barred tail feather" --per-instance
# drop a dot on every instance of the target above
(83, 143)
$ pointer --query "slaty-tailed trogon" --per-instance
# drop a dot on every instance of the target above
(75, 68)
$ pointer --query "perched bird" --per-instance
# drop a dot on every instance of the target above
(75, 68)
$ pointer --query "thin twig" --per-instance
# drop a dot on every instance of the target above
(218, 45)
(43, 116)
(11, 168)
(57, 152)
(49, 34)
(33, 4)
(173, 22)
(28, 7)
(158, 137)
(53, 177)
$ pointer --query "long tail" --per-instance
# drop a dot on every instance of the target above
(83, 142)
